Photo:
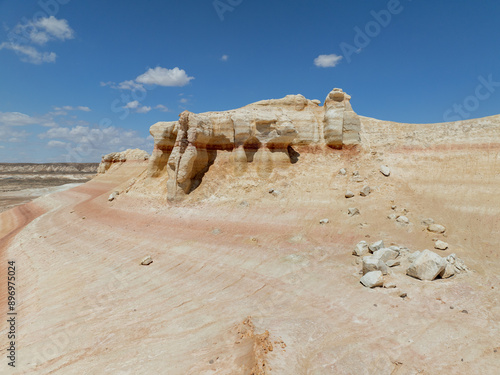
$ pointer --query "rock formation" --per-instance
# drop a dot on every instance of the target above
(262, 133)
(120, 157)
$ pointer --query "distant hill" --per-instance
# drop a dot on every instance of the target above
(57, 168)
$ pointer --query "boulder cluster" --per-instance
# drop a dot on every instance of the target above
(377, 259)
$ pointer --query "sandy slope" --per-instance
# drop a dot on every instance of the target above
(231, 250)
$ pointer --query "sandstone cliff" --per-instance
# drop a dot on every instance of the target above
(121, 157)
(262, 133)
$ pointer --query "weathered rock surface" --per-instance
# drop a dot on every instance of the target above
(440, 245)
(403, 220)
(147, 261)
(376, 246)
(372, 279)
(352, 211)
(365, 191)
(436, 228)
(372, 263)
(426, 266)
(262, 133)
(121, 157)
(385, 170)
(386, 254)
(361, 249)
(349, 194)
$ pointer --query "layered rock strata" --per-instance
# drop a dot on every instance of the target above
(262, 133)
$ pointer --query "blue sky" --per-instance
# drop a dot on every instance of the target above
(79, 79)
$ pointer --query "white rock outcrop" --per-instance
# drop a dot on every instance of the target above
(440, 245)
(261, 133)
(121, 157)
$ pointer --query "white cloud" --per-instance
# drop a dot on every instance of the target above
(29, 54)
(143, 109)
(137, 107)
(53, 144)
(161, 108)
(83, 143)
(184, 100)
(37, 32)
(2, 146)
(224, 57)
(164, 77)
(133, 104)
(71, 108)
(327, 61)
(45, 29)
(16, 119)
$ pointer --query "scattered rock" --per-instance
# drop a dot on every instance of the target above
(274, 192)
(244, 204)
(465, 312)
(393, 263)
(376, 246)
(349, 194)
(324, 221)
(113, 195)
(147, 261)
(371, 263)
(428, 221)
(403, 295)
(426, 266)
(403, 220)
(389, 285)
(353, 211)
(342, 171)
(440, 245)
(457, 263)
(384, 169)
(361, 249)
(392, 216)
(365, 191)
(413, 256)
(448, 271)
(372, 279)
(355, 173)
(436, 228)
(385, 254)
(393, 207)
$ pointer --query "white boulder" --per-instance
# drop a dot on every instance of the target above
(440, 245)
(384, 169)
(436, 228)
(361, 249)
(371, 263)
(372, 279)
(426, 266)
(376, 246)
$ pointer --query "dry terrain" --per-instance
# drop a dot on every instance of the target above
(248, 282)
(22, 182)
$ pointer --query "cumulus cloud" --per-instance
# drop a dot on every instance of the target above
(29, 54)
(132, 105)
(45, 29)
(327, 61)
(164, 77)
(157, 76)
(37, 32)
(135, 105)
(224, 57)
(83, 143)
